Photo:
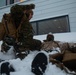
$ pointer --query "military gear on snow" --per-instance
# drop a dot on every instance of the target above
(22, 51)
(69, 60)
(39, 64)
(65, 56)
(25, 32)
(19, 28)
(6, 68)
(49, 46)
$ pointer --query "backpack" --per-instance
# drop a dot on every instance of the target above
(39, 64)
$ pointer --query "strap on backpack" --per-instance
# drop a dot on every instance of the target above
(5, 20)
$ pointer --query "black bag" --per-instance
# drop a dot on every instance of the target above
(39, 64)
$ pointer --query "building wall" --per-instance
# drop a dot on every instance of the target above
(2, 3)
(49, 9)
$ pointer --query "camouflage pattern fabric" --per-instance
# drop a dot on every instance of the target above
(20, 28)
(25, 32)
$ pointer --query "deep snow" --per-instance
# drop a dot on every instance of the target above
(23, 67)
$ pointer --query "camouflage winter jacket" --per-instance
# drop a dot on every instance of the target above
(52, 45)
(10, 25)
(17, 22)
(23, 32)
(49, 45)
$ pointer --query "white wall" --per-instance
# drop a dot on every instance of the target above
(51, 8)
(2, 3)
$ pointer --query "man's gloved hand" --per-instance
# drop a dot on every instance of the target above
(4, 47)
(9, 40)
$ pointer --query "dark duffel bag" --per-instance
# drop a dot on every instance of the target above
(39, 64)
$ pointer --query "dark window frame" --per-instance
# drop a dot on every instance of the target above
(37, 25)
(11, 1)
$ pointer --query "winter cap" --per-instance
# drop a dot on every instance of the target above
(50, 33)
(50, 37)
(20, 8)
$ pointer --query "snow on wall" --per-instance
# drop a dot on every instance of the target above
(51, 8)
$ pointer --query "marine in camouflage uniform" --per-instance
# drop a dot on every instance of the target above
(20, 28)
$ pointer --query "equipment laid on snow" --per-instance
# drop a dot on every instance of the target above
(6, 68)
(39, 64)
(20, 52)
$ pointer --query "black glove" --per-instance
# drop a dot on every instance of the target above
(4, 47)
(9, 40)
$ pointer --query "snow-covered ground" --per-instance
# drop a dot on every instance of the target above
(23, 67)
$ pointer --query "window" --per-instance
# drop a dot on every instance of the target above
(34, 25)
(54, 25)
(9, 2)
(13, 1)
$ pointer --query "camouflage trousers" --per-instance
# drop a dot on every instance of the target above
(23, 49)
